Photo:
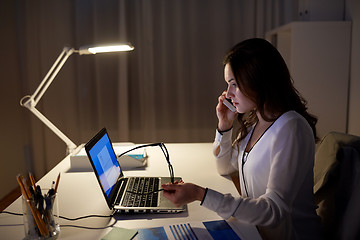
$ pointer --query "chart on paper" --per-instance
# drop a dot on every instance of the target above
(216, 230)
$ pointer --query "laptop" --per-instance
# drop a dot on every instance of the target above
(125, 194)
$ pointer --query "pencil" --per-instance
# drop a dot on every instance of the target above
(38, 220)
(57, 183)
(32, 180)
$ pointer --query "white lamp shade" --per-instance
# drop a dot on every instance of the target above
(105, 48)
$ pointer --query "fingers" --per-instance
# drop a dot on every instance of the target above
(222, 97)
(182, 193)
(221, 109)
(169, 187)
(171, 192)
(225, 116)
(176, 182)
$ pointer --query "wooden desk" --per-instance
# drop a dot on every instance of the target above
(79, 194)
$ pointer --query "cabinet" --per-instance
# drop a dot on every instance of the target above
(318, 57)
(320, 10)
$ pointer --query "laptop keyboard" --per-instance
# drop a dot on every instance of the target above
(136, 194)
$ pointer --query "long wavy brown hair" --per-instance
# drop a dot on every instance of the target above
(262, 75)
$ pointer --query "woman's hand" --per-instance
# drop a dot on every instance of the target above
(225, 115)
(183, 193)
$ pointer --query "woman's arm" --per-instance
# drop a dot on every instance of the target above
(226, 160)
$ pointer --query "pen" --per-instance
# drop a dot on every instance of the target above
(40, 199)
(38, 220)
(32, 193)
(51, 190)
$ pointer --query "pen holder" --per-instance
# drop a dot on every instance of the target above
(41, 216)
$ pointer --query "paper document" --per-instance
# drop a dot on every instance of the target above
(120, 233)
(217, 230)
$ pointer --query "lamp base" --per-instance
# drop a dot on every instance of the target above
(79, 161)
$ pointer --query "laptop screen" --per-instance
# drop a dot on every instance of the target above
(105, 163)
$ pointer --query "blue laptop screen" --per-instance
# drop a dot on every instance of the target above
(106, 164)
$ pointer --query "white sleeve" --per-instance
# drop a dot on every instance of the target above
(252, 211)
(226, 159)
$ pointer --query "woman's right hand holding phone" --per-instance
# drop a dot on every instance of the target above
(225, 116)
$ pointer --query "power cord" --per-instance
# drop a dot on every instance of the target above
(87, 216)
(163, 149)
(12, 213)
(75, 219)
(167, 157)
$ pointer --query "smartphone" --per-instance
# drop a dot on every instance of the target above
(227, 102)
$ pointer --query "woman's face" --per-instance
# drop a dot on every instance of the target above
(240, 101)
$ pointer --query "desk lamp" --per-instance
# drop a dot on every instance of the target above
(30, 101)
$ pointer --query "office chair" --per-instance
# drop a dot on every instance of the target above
(337, 185)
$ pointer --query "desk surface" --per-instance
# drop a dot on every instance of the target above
(79, 194)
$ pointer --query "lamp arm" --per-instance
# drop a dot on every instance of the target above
(70, 145)
(30, 102)
(54, 70)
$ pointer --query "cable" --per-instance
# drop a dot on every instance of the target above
(87, 216)
(141, 146)
(90, 228)
(66, 218)
(163, 149)
(171, 170)
(12, 213)
(75, 219)
(167, 156)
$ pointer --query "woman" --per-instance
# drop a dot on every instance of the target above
(273, 153)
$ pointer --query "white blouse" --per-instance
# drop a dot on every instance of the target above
(277, 185)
